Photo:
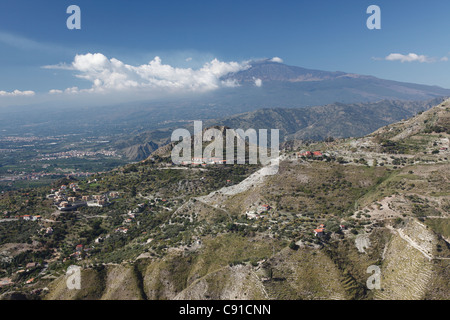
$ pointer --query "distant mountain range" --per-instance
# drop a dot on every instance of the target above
(333, 120)
(290, 86)
(315, 123)
(273, 71)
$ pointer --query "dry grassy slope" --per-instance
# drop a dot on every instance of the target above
(92, 286)
(307, 275)
(304, 274)
(196, 209)
(301, 274)
(428, 182)
(167, 277)
(407, 268)
(229, 283)
(439, 284)
(122, 283)
(114, 282)
(303, 187)
(439, 115)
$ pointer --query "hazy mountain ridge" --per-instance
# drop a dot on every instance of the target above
(315, 123)
(274, 71)
(337, 120)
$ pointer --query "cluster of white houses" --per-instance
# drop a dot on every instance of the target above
(260, 211)
(122, 230)
(31, 218)
(66, 203)
(203, 161)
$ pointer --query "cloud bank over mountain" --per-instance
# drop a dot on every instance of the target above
(108, 75)
(95, 79)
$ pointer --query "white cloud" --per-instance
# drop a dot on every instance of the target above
(74, 90)
(230, 83)
(60, 66)
(411, 57)
(258, 82)
(277, 59)
(16, 93)
(188, 59)
(444, 59)
(114, 75)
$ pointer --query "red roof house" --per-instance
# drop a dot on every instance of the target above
(317, 154)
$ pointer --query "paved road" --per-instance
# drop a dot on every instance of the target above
(8, 220)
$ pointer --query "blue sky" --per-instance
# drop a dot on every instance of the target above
(321, 34)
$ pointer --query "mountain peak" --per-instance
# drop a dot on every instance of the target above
(268, 70)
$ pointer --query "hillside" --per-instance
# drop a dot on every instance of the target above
(203, 232)
(334, 120)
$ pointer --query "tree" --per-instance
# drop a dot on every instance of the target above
(133, 191)
(293, 245)
(375, 162)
